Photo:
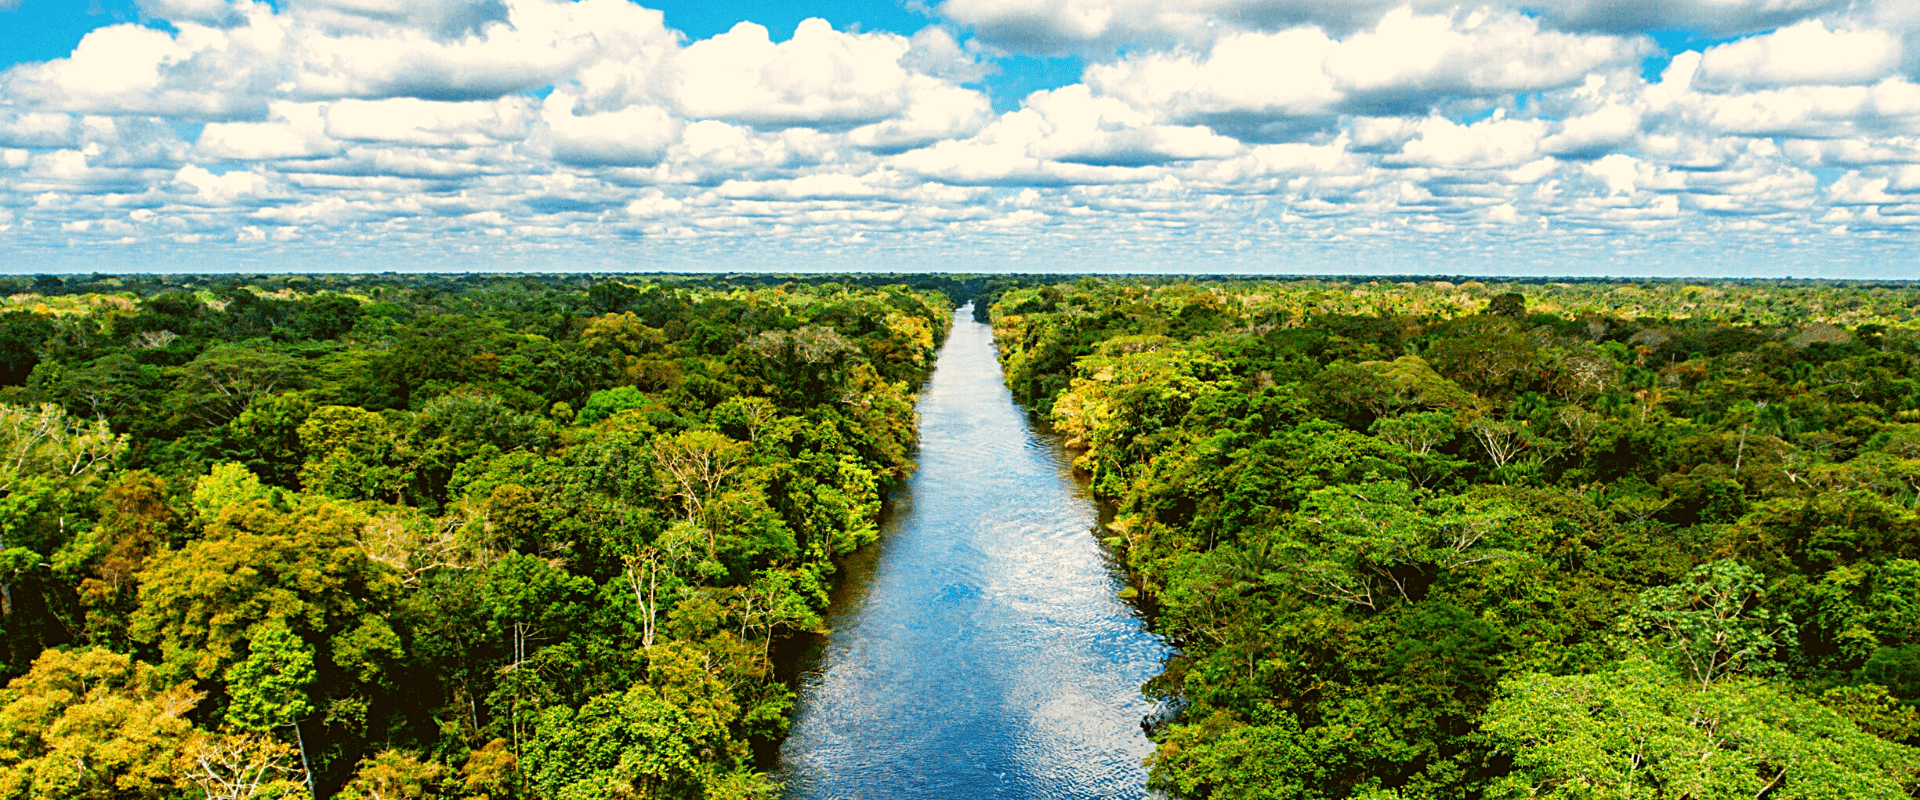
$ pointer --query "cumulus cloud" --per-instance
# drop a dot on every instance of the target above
(1255, 84)
(1233, 126)
(1062, 136)
(1718, 17)
(820, 77)
(1605, 129)
(223, 188)
(632, 136)
(449, 19)
(425, 123)
(1493, 143)
(135, 69)
(205, 12)
(1805, 53)
(297, 130)
(322, 50)
(1059, 26)
(36, 129)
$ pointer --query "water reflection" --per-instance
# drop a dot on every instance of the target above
(981, 651)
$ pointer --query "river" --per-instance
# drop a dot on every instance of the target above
(980, 649)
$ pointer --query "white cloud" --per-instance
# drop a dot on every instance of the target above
(1222, 126)
(543, 42)
(1890, 106)
(36, 129)
(810, 187)
(1492, 143)
(329, 49)
(820, 77)
(205, 12)
(632, 136)
(1806, 53)
(1281, 74)
(1059, 26)
(655, 203)
(222, 188)
(442, 18)
(406, 120)
(132, 69)
(1607, 128)
(1618, 171)
(933, 113)
(1066, 135)
(1252, 84)
(1079, 127)
(1721, 17)
(1856, 152)
(297, 130)
(1486, 52)
(710, 152)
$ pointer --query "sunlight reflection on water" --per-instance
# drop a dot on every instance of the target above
(988, 655)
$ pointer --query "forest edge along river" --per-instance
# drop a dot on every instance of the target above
(981, 648)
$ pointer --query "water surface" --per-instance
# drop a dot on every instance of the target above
(979, 650)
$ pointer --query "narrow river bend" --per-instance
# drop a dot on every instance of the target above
(980, 650)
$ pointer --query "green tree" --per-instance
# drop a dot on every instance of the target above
(694, 465)
(630, 744)
(202, 603)
(92, 723)
(268, 689)
(1508, 304)
(1639, 731)
(226, 379)
(49, 462)
(1228, 760)
(397, 775)
(243, 767)
(21, 335)
(1712, 624)
(226, 485)
(350, 455)
(135, 520)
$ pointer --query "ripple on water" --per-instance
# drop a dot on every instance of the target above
(989, 655)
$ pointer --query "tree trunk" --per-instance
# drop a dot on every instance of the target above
(306, 771)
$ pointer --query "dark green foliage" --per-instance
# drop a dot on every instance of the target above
(21, 334)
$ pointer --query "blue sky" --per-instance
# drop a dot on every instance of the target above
(40, 30)
(1752, 137)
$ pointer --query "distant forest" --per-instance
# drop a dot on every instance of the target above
(540, 537)
(1528, 540)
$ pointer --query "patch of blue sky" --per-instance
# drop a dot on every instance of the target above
(1016, 76)
(1524, 104)
(187, 131)
(701, 19)
(39, 30)
(1673, 43)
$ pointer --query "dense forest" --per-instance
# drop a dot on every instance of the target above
(1437, 540)
(431, 537)
(541, 537)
